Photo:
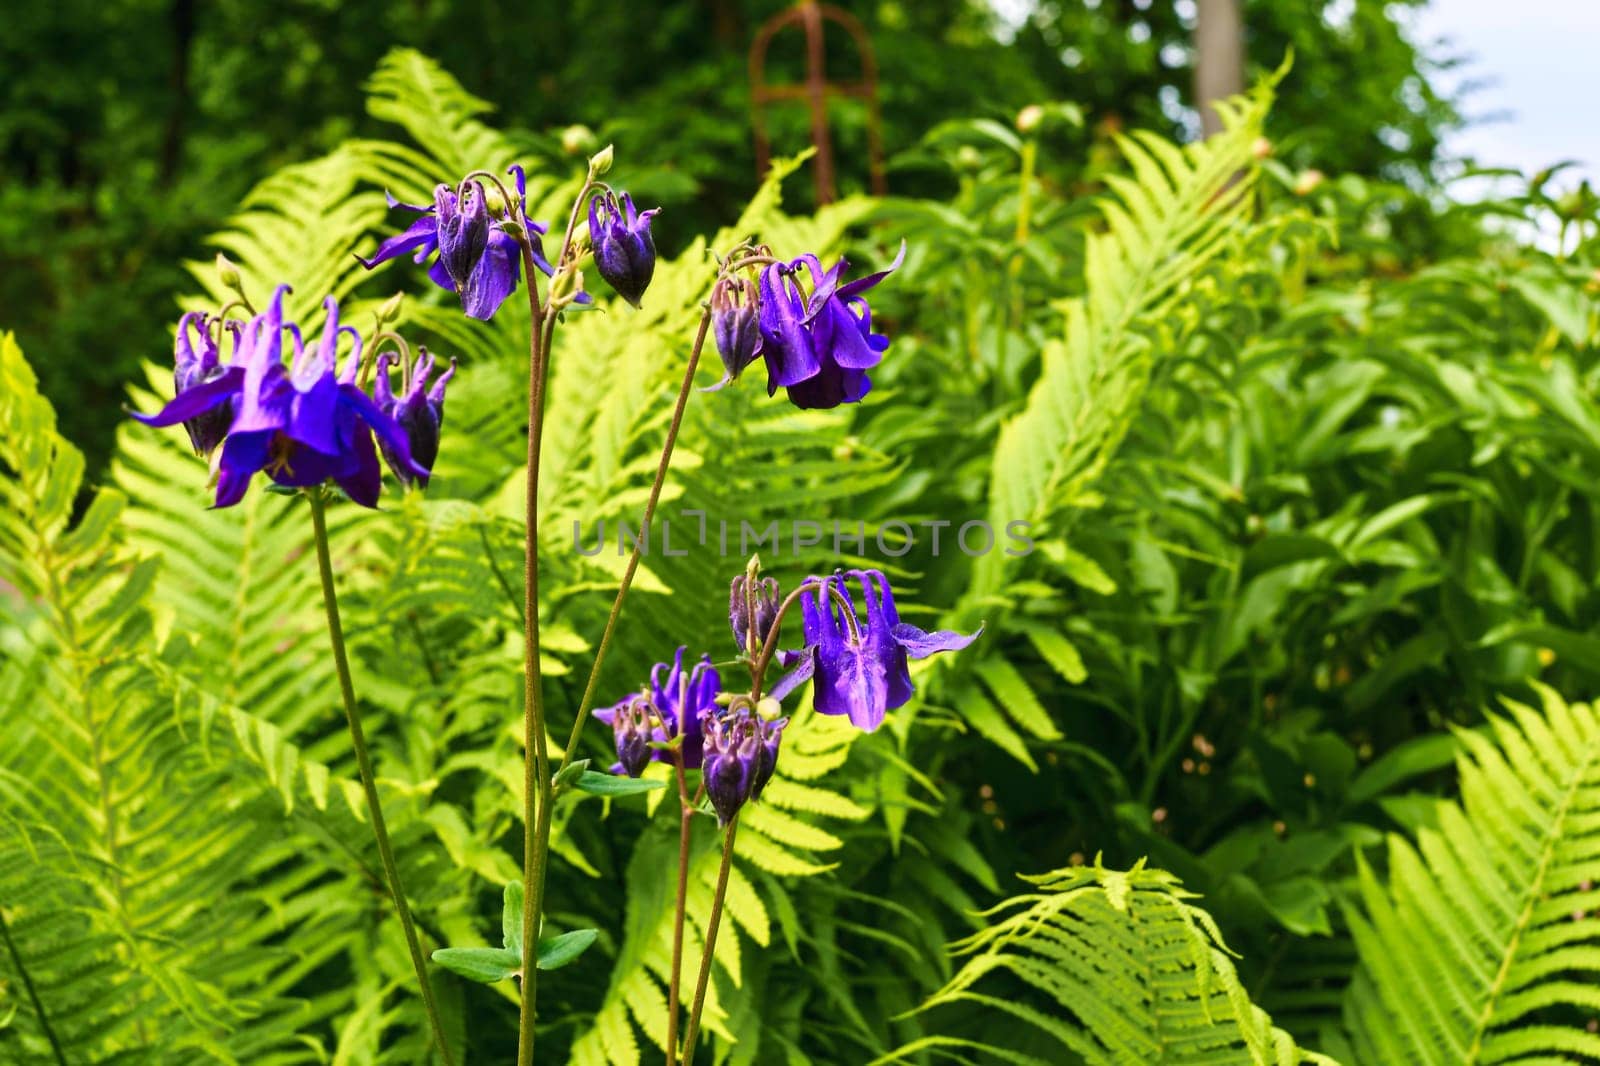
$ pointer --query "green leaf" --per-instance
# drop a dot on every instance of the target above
(485, 965)
(556, 951)
(1285, 549)
(571, 770)
(511, 918)
(597, 784)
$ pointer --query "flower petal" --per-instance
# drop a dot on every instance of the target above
(387, 429)
(921, 644)
(796, 677)
(365, 480)
(197, 400)
(423, 231)
(493, 279)
(850, 288)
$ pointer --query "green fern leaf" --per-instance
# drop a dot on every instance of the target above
(1116, 967)
(1484, 947)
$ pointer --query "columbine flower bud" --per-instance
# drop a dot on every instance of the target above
(576, 140)
(631, 724)
(1308, 182)
(1029, 118)
(735, 322)
(389, 310)
(193, 369)
(419, 412)
(747, 592)
(732, 756)
(601, 161)
(228, 273)
(770, 735)
(624, 252)
(463, 231)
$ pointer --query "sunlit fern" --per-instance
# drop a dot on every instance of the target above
(1484, 945)
(1163, 226)
(121, 884)
(1106, 966)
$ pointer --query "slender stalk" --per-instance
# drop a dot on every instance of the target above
(758, 669)
(711, 942)
(536, 780)
(674, 990)
(33, 993)
(587, 702)
(341, 662)
(535, 758)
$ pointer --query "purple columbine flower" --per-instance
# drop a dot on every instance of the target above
(483, 272)
(204, 391)
(299, 423)
(676, 703)
(859, 666)
(463, 232)
(735, 314)
(819, 347)
(741, 751)
(630, 722)
(420, 412)
(624, 251)
(745, 592)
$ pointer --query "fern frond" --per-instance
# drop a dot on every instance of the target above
(1484, 947)
(1113, 967)
(140, 872)
(1161, 229)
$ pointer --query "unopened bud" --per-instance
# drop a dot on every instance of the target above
(1308, 182)
(600, 162)
(577, 140)
(1261, 148)
(969, 158)
(389, 310)
(1030, 118)
(228, 273)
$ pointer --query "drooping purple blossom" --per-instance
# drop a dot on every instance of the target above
(624, 251)
(420, 412)
(483, 271)
(463, 231)
(299, 423)
(741, 751)
(204, 390)
(677, 698)
(744, 593)
(735, 324)
(630, 724)
(859, 665)
(819, 346)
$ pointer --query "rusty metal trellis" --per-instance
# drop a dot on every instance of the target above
(810, 16)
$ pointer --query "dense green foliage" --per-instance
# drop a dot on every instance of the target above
(1292, 673)
(130, 129)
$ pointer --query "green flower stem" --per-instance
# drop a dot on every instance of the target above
(687, 387)
(330, 600)
(674, 990)
(711, 943)
(535, 758)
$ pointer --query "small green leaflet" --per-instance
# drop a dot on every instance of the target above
(597, 784)
(488, 965)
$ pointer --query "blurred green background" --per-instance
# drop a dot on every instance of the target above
(129, 129)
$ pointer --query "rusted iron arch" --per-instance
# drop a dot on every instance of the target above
(810, 16)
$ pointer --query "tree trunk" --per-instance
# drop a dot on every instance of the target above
(1218, 57)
